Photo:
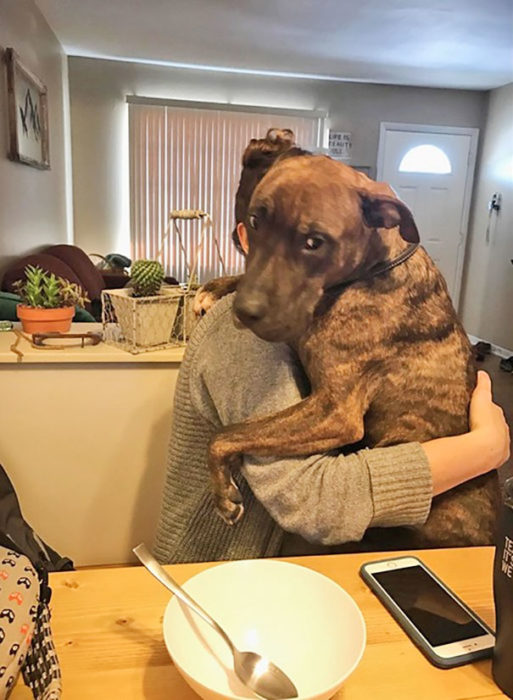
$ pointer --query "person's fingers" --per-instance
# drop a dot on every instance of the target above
(484, 383)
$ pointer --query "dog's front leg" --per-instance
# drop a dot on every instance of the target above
(319, 423)
(212, 291)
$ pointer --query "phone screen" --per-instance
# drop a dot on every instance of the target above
(436, 615)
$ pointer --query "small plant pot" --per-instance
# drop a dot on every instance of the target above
(36, 320)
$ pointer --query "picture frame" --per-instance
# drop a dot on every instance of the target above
(27, 100)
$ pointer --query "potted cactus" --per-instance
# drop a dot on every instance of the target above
(146, 277)
(47, 302)
(144, 311)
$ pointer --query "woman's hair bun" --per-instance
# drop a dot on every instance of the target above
(285, 136)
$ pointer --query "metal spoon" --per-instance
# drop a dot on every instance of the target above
(255, 671)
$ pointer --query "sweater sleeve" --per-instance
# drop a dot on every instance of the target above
(326, 498)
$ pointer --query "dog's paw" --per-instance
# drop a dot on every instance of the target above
(203, 301)
(230, 512)
(229, 504)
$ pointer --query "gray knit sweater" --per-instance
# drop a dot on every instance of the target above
(229, 375)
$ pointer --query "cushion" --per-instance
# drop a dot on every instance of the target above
(49, 263)
(8, 303)
(83, 267)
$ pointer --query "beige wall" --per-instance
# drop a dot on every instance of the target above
(89, 469)
(487, 302)
(33, 208)
(100, 132)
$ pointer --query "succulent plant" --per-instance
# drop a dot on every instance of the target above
(146, 278)
(44, 290)
(71, 294)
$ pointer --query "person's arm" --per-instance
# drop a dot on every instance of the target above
(325, 498)
(462, 457)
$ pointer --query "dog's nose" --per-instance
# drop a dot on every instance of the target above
(250, 309)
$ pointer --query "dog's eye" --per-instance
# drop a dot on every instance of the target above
(253, 222)
(313, 242)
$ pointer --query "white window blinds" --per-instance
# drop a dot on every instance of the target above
(188, 158)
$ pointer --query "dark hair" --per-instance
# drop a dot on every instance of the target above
(259, 155)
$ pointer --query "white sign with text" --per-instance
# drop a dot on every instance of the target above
(340, 144)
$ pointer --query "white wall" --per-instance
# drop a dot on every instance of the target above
(488, 299)
(100, 133)
(33, 203)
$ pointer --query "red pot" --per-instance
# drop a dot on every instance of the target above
(35, 320)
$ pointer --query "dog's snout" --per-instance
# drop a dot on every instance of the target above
(251, 308)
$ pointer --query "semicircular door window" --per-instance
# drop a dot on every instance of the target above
(425, 159)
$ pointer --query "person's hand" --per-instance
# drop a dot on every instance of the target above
(487, 421)
(454, 460)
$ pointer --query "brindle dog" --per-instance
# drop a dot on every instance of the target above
(387, 359)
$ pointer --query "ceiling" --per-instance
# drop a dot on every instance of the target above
(437, 43)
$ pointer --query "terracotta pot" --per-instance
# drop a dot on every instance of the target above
(35, 320)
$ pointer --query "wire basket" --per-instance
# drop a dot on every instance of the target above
(186, 319)
(142, 324)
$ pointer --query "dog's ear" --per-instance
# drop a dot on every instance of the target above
(384, 211)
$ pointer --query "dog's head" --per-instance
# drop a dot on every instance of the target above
(310, 225)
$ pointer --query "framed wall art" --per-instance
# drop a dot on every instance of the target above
(27, 100)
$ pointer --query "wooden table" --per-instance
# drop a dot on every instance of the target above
(107, 628)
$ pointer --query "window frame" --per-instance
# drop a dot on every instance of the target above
(317, 117)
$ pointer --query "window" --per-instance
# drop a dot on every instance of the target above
(425, 159)
(183, 157)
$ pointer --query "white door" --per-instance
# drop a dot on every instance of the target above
(431, 169)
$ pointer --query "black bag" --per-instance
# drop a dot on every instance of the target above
(40, 667)
(17, 534)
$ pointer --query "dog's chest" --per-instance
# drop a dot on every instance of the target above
(381, 318)
(346, 328)
(403, 349)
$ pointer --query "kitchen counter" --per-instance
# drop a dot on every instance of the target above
(90, 354)
(84, 435)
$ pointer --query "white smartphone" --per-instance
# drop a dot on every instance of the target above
(446, 630)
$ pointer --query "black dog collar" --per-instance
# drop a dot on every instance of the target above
(378, 269)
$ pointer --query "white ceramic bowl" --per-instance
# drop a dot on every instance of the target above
(302, 621)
